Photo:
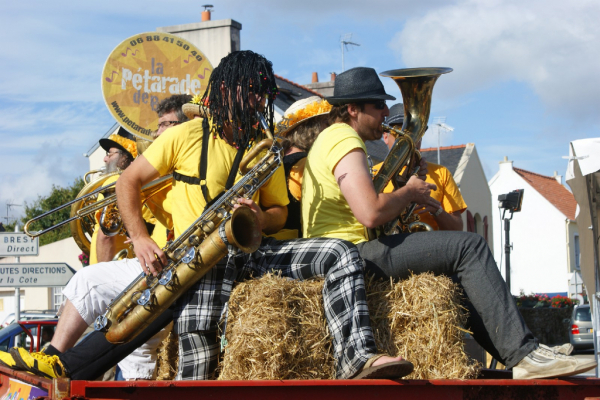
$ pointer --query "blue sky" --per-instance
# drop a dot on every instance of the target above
(525, 78)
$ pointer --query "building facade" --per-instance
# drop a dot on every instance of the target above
(544, 235)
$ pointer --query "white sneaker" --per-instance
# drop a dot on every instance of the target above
(565, 349)
(545, 363)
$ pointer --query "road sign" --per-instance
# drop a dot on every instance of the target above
(18, 244)
(35, 274)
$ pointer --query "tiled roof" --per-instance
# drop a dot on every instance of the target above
(552, 191)
(449, 156)
(290, 92)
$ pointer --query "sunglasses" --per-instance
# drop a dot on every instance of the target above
(379, 104)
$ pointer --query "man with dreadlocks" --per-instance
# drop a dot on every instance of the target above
(202, 155)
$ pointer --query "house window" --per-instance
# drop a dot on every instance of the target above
(577, 253)
(57, 297)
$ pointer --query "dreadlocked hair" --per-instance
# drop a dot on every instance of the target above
(248, 73)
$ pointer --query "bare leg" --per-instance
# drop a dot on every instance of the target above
(69, 329)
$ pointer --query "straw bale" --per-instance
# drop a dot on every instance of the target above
(421, 319)
(167, 358)
(277, 330)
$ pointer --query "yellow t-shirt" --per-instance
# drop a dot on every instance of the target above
(180, 151)
(325, 211)
(119, 239)
(447, 192)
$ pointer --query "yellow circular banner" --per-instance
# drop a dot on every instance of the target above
(145, 69)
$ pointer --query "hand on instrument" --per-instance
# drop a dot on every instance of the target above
(421, 192)
(422, 174)
(422, 209)
(147, 251)
(254, 207)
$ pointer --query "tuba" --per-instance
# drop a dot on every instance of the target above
(416, 85)
(194, 252)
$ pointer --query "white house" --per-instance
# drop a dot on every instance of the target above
(543, 234)
(464, 164)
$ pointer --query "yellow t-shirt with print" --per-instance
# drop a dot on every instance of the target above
(325, 211)
(447, 192)
(179, 150)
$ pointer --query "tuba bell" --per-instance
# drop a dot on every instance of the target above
(416, 85)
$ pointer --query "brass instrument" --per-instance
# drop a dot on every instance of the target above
(84, 207)
(416, 85)
(193, 253)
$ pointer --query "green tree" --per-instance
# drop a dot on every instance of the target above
(57, 197)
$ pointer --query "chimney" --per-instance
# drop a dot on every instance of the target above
(206, 12)
(506, 164)
(333, 77)
(315, 77)
(558, 177)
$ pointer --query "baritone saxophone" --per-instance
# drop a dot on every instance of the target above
(194, 252)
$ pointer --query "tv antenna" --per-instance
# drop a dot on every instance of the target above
(440, 123)
(8, 208)
(345, 41)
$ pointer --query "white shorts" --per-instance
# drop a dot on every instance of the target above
(92, 289)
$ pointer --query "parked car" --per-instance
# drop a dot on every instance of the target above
(29, 315)
(581, 334)
(25, 334)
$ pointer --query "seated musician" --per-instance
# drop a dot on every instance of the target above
(82, 292)
(301, 124)
(446, 192)
(339, 200)
(241, 85)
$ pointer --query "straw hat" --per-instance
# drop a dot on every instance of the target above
(301, 111)
(194, 108)
(121, 143)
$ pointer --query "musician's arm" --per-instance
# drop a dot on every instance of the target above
(129, 188)
(106, 247)
(449, 221)
(369, 207)
(271, 219)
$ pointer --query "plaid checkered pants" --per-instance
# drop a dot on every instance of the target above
(344, 298)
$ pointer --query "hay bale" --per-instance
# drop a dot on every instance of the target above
(277, 330)
(167, 358)
(421, 319)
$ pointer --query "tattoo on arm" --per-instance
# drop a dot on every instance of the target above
(341, 178)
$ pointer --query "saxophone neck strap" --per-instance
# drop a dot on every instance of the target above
(203, 166)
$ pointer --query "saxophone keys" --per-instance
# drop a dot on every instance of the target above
(190, 255)
(166, 277)
(100, 323)
(145, 297)
(194, 240)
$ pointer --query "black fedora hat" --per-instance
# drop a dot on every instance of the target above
(396, 116)
(358, 84)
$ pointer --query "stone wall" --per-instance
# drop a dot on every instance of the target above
(548, 324)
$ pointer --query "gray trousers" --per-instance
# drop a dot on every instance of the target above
(494, 318)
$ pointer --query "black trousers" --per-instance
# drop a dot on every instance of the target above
(95, 355)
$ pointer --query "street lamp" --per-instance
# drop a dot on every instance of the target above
(509, 202)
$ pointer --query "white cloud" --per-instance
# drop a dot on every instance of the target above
(550, 45)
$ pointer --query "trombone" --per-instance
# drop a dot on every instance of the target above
(82, 208)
